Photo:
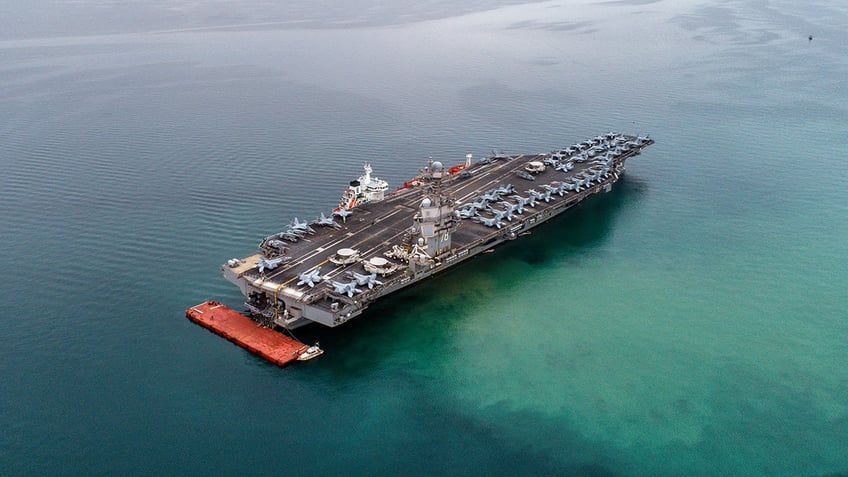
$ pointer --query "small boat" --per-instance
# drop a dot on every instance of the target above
(311, 352)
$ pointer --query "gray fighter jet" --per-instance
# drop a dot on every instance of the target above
(343, 213)
(490, 195)
(310, 278)
(271, 263)
(479, 204)
(348, 288)
(325, 221)
(369, 280)
(467, 212)
(493, 222)
(546, 196)
(511, 208)
(560, 189)
(498, 156)
(549, 189)
(564, 166)
(290, 236)
(278, 244)
(501, 214)
(297, 226)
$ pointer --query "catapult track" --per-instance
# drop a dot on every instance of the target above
(374, 229)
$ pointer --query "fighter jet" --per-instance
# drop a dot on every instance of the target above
(325, 221)
(565, 166)
(578, 183)
(343, 213)
(296, 232)
(549, 189)
(497, 155)
(369, 280)
(301, 226)
(586, 178)
(600, 172)
(467, 212)
(505, 189)
(290, 236)
(520, 203)
(277, 244)
(501, 214)
(271, 263)
(540, 196)
(529, 201)
(490, 196)
(309, 278)
(479, 204)
(493, 222)
(511, 208)
(560, 189)
(567, 185)
(348, 288)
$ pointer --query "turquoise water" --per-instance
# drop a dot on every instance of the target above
(691, 322)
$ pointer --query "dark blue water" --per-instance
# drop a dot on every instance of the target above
(692, 322)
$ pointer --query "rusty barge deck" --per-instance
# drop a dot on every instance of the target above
(241, 330)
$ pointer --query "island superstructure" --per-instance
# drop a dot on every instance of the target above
(329, 270)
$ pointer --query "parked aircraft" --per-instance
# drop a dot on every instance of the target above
(501, 214)
(369, 280)
(301, 226)
(343, 213)
(348, 288)
(467, 212)
(325, 221)
(511, 208)
(490, 195)
(546, 196)
(493, 222)
(271, 263)
(309, 278)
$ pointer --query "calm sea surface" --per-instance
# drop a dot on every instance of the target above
(692, 322)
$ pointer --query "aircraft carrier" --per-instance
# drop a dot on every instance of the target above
(375, 242)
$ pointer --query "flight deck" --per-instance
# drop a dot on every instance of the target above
(330, 269)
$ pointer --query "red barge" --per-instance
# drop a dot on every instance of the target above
(250, 335)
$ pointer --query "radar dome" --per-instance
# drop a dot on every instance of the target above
(437, 166)
(426, 202)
